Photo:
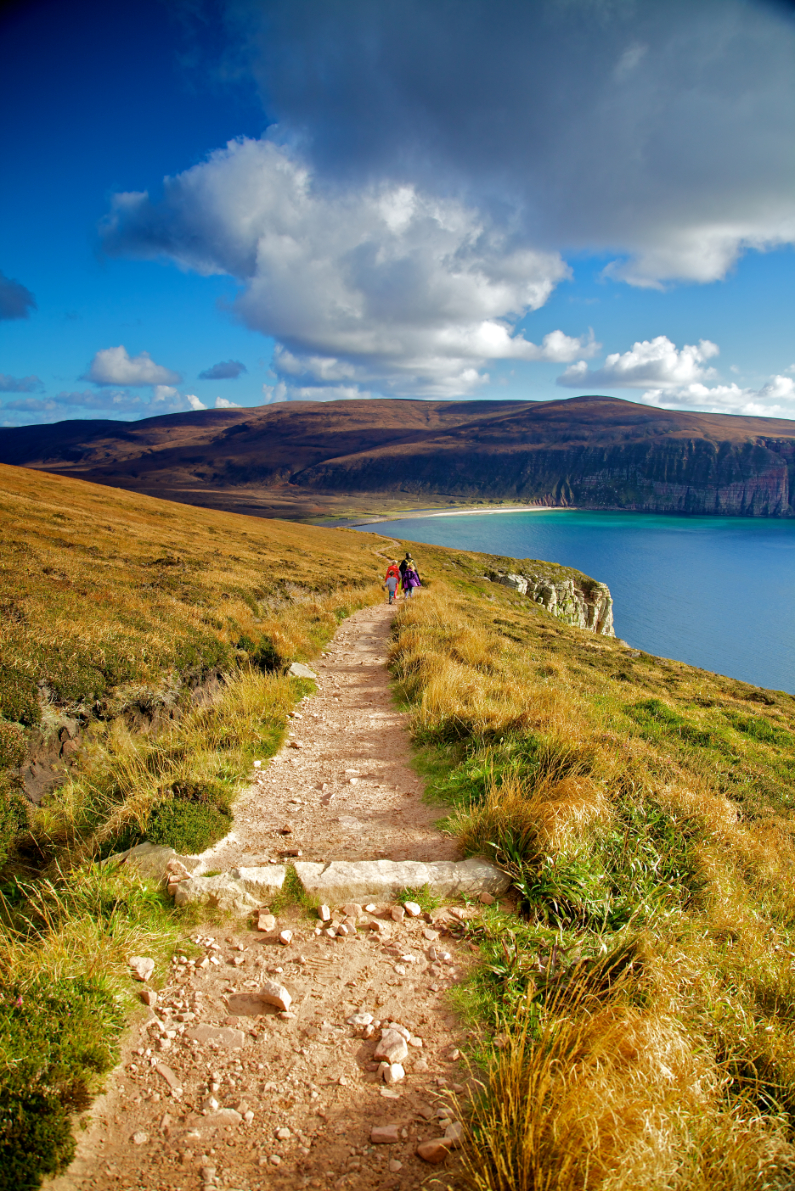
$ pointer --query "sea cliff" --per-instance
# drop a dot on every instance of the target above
(578, 600)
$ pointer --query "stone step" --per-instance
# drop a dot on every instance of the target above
(353, 880)
(335, 882)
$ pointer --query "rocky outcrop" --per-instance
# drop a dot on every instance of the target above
(577, 599)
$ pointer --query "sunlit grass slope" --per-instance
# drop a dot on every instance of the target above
(117, 608)
(639, 1006)
(117, 612)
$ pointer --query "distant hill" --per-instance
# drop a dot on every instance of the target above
(590, 451)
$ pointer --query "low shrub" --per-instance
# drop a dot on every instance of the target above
(19, 696)
(13, 746)
(196, 816)
(55, 1039)
(14, 809)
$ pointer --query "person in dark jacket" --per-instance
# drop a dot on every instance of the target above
(407, 562)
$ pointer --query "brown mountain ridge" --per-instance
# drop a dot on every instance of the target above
(299, 457)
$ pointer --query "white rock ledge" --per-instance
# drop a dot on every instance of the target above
(151, 861)
(344, 880)
(222, 891)
(264, 880)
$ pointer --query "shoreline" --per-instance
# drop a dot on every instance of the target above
(415, 514)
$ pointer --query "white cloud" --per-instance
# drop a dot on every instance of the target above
(113, 366)
(384, 286)
(775, 399)
(222, 403)
(674, 378)
(286, 391)
(118, 404)
(164, 393)
(656, 362)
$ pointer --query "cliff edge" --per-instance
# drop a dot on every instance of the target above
(569, 595)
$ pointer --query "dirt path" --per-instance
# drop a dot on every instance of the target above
(346, 790)
(257, 1099)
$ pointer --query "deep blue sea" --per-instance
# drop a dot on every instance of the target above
(716, 592)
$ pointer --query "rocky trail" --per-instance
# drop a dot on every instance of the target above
(304, 1048)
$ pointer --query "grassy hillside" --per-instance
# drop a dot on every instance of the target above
(642, 996)
(117, 611)
(141, 668)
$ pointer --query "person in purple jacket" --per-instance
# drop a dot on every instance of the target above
(410, 580)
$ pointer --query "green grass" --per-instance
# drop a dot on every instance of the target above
(422, 895)
(66, 994)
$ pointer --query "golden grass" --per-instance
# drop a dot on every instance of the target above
(606, 1096)
(639, 805)
(130, 586)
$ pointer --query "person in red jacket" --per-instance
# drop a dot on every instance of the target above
(391, 579)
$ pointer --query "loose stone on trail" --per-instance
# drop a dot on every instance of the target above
(385, 1135)
(434, 1151)
(392, 1047)
(276, 994)
(141, 967)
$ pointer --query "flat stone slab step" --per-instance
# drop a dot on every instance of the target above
(338, 881)
(351, 880)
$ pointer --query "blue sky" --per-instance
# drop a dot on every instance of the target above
(468, 198)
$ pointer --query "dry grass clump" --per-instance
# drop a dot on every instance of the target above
(631, 801)
(612, 1097)
(529, 821)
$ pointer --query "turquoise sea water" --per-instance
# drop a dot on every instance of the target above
(716, 592)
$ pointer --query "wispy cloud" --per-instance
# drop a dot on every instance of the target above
(21, 384)
(774, 399)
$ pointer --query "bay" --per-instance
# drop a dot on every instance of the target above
(715, 592)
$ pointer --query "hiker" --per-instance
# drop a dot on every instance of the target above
(407, 562)
(410, 580)
(391, 579)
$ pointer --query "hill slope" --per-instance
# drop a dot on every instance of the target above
(594, 452)
(634, 997)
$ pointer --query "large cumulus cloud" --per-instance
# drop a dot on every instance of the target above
(657, 132)
(384, 285)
